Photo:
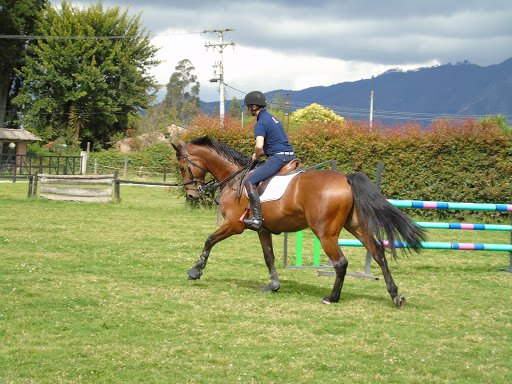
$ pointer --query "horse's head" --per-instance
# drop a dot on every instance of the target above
(192, 168)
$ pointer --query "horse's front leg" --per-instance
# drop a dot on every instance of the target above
(268, 253)
(223, 232)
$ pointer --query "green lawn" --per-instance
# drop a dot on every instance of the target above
(93, 293)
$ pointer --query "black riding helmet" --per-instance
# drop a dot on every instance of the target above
(255, 98)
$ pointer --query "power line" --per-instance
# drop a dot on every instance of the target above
(24, 37)
(229, 86)
(397, 115)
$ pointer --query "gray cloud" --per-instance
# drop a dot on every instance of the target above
(397, 32)
(303, 43)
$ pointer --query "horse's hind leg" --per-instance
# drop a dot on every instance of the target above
(377, 252)
(339, 262)
(268, 253)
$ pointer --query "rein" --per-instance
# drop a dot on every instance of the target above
(242, 173)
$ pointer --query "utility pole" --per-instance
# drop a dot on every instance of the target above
(371, 110)
(220, 79)
(286, 110)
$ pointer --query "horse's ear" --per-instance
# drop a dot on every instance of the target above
(178, 148)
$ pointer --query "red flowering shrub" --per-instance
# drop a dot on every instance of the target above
(450, 160)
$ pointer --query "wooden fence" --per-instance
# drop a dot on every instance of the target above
(16, 165)
(80, 188)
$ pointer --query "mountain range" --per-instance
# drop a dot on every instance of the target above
(450, 90)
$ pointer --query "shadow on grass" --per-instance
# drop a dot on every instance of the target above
(293, 288)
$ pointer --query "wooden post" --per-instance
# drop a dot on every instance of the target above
(34, 190)
(96, 166)
(85, 159)
(117, 189)
(126, 167)
(30, 180)
(15, 168)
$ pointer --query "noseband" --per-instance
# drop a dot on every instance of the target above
(199, 184)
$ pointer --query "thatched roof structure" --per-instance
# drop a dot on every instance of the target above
(17, 135)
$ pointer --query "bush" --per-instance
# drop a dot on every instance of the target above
(450, 160)
(315, 114)
(153, 158)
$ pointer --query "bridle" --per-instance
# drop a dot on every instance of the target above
(202, 186)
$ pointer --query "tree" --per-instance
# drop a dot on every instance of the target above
(235, 110)
(315, 113)
(17, 19)
(182, 98)
(87, 75)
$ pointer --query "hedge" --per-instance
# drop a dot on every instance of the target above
(153, 158)
(450, 160)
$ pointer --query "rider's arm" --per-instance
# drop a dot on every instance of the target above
(258, 148)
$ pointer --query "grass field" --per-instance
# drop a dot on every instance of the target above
(93, 293)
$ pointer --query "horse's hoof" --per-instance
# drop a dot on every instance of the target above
(325, 300)
(270, 288)
(194, 274)
(399, 301)
(266, 288)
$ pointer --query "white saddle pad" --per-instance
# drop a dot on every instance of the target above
(276, 187)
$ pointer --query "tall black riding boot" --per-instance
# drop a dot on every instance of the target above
(256, 219)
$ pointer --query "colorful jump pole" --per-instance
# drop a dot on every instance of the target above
(434, 225)
(447, 205)
(471, 227)
(437, 245)
(299, 250)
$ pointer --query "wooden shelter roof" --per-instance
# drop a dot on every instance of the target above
(17, 135)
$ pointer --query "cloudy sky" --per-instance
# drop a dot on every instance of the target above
(296, 44)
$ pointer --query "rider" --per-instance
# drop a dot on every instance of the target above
(271, 140)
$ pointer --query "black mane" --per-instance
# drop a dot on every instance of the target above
(224, 150)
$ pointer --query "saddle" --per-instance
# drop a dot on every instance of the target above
(289, 170)
(293, 166)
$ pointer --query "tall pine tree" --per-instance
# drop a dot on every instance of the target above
(182, 99)
(235, 110)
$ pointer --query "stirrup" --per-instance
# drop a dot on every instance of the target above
(254, 223)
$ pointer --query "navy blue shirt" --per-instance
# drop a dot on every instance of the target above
(273, 132)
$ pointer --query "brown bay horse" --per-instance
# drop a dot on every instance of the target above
(324, 200)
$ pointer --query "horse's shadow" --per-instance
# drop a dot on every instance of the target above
(293, 288)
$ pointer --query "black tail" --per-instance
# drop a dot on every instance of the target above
(386, 222)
